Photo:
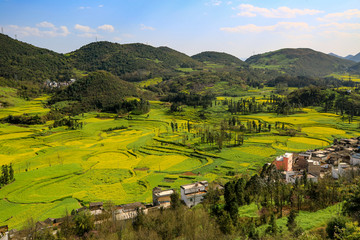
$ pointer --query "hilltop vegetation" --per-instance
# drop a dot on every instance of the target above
(218, 58)
(26, 63)
(132, 62)
(300, 62)
(99, 90)
(355, 69)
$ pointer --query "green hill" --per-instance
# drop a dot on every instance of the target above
(355, 69)
(132, 62)
(218, 58)
(99, 90)
(25, 62)
(300, 61)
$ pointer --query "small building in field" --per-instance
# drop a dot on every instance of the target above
(284, 162)
(193, 194)
(4, 232)
(96, 206)
(162, 197)
(129, 211)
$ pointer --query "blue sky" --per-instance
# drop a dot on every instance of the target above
(241, 28)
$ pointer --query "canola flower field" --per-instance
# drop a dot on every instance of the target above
(59, 170)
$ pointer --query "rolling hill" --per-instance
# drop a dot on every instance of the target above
(25, 62)
(218, 58)
(355, 69)
(132, 62)
(99, 90)
(300, 61)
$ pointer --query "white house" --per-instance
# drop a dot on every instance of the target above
(340, 170)
(291, 176)
(355, 159)
(193, 194)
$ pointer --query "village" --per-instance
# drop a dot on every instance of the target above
(342, 158)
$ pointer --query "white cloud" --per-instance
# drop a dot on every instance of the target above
(252, 28)
(341, 26)
(65, 31)
(100, 6)
(107, 28)
(83, 28)
(37, 32)
(84, 7)
(346, 15)
(144, 27)
(248, 10)
(46, 24)
(213, 3)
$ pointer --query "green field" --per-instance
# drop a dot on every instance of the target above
(59, 169)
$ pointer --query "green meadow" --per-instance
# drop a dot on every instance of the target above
(58, 170)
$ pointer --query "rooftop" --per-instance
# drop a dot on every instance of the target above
(95, 204)
(194, 185)
(165, 193)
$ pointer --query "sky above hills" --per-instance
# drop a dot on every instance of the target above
(241, 28)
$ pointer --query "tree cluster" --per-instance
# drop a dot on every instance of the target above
(7, 175)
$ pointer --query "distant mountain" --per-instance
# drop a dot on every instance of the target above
(130, 61)
(335, 55)
(98, 90)
(300, 61)
(355, 58)
(25, 62)
(218, 58)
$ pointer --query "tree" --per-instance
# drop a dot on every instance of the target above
(352, 204)
(84, 223)
(175, 200)
(335, 227)
(272, 228)
(11, 173)
(291, 222)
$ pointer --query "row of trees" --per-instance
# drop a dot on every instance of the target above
(7, 174)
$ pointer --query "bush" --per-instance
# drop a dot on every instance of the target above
(335, 227)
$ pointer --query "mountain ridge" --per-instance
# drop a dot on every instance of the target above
(300, 61)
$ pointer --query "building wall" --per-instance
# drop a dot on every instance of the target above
(314, 169)
(164, 199)
(354, 161)
(5, 237)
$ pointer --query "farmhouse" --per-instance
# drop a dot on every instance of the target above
(96, 208)
(284, 162)
(128, 211)
(291, 176)
(193, 194)
(355, 159)
(162, 198)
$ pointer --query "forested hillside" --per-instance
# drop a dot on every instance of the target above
(27, 63)
(218, 58)
(99, 90)
(301, 61)
(133, 62)
(355, 69)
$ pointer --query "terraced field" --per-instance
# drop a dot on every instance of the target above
(59, 169)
